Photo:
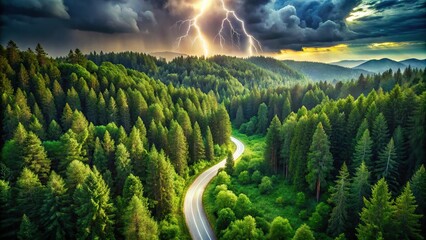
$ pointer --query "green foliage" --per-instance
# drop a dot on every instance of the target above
(339, 198)
(256, 177)
(405, 217)
(243, 229)
(29, 194)
(303, 233)
(138, 223)
(225, 217)
(244, 177)
(265, 185)
(280, 229)
(225, 199)
(318, 220)
(197, 146)
(94, 208)
(178, 151)
(229, 165)
(376, 216)
(387, 165)
(362, 151)
(273, 144)
(243, 206)
(35, 157)
(223, 178)
(209, 145)
(320, 161)
(300, 199)
(27, 230)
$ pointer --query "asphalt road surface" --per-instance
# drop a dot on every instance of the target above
(195, 216)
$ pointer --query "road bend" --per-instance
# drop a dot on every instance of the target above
(195, 216)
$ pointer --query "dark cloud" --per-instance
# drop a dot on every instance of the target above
(36, 8)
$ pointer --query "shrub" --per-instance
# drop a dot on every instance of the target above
(223, 178)
(256, 177)
(300, 199)
(219, 188)
(244, 177)
(265, 186)
(303, 214)
(225, 199)
(279, 200)
(225, 217)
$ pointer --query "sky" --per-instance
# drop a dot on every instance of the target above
(309, 30)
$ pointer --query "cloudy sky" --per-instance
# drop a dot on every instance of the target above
(317, 30)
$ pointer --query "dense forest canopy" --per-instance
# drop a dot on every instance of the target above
(103, 145)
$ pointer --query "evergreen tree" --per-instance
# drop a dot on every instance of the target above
(66, 118)
(380, 135)
(360, 188)
(320, 161)
(109, 146)
(29, 194)
(91, 106)
(136, 150)
(55, 211)
(287, 132)
(123, 166)
(286, 108)
(123, 109)
(339, 198)
(418, 185)
(185, 122)
(111, 111)
(178, 151)
(35, 157)
(102, 116)
(417, 133)
(138, 223)
(229, 165)
(27, 230)
(132, 187)
(209, 145)
(405, 217)
(71, 150)
(76, 173)
(262, 117)
(54, 131)
(221, 126)
(100, 160)
(362, 151)
(197, 147)
(273, 144)
(37, 128)
(239, 118)
(376, 216)
(387, 166)
(94, 208)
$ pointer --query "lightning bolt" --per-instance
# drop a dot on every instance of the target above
(192, 25)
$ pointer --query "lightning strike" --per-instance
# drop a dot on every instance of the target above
(230, 16)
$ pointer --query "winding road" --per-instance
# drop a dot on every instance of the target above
(195, 216)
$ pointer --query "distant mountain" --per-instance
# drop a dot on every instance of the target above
(168, 55)
(325, 72)
(379, 66)
(275, 66)
(349, 63)
(414, 63)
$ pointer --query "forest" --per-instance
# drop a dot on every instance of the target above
(103, 146)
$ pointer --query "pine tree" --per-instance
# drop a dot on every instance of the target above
(132, 187)
(417, 133)
(262, 116)
(339, 198)
(197, 146)
(54, 131)
(387, 166)
(405, 217)
(55, 211)
(229, 165)
(286, 108)
(29, 194)
(100, 159)
(363, 150)
(287, 132)
(123, 109)
(239, 118)
(37, 128)
(76, 173)
(27, 230)
(101, 109)
(71, 150)
(209, 145)
(273, 144)
(221, 126)
(360, 188)
(138, 223)
(91, 106)
(418, 185)
(376, 216)
(35, 157)
(109, 147)
(185, 122)
(380, 135)
(66, 118)
(320, 161)
(94, 208)
(123, 166)
(178, 151)
(111, 111)
(136, 150)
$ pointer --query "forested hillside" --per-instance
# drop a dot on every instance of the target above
(341, 161)
(98, 151)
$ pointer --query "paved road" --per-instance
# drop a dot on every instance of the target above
(195, 216)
